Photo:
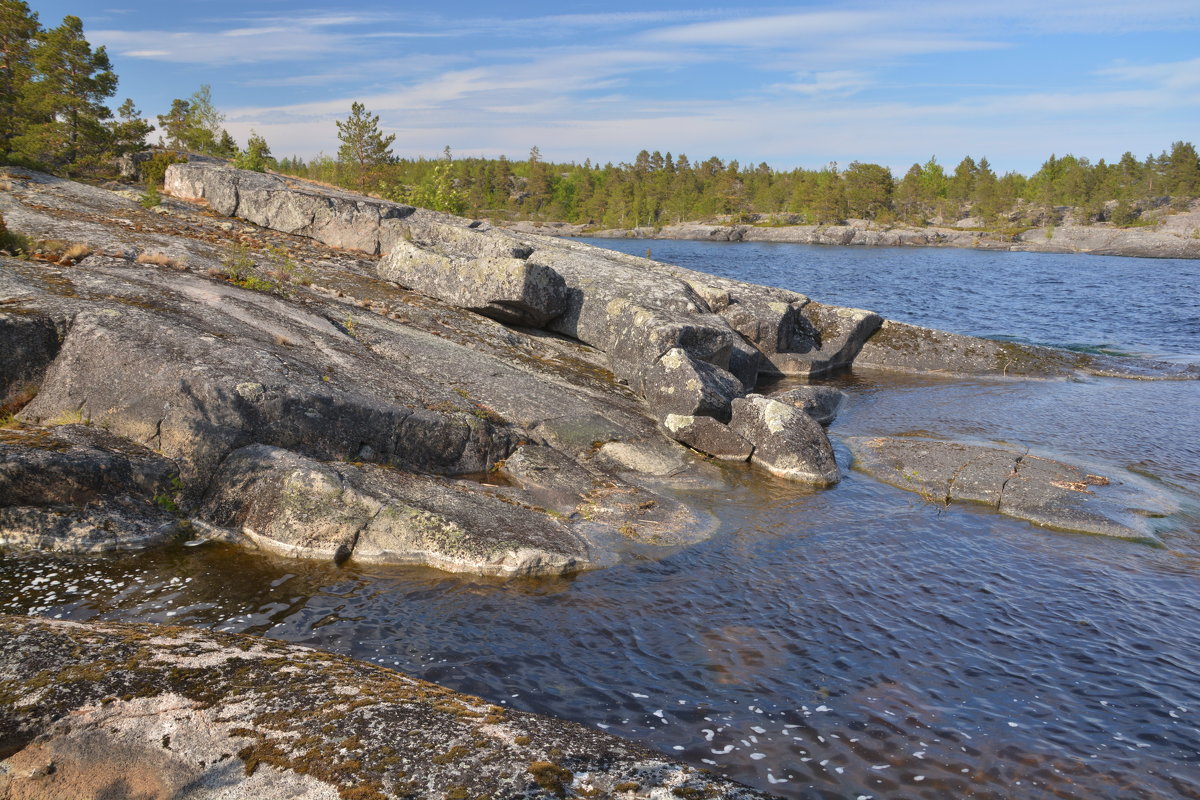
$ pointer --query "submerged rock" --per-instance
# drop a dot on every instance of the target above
(1040, 490)
(109, 710)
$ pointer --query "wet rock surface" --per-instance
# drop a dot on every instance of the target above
(108, 710)
(1043, 491)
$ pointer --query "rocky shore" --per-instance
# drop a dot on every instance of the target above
(1176, 236)
(324, 375)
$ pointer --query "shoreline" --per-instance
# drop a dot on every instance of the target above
(1177, 237)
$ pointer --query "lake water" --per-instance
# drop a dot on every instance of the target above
(845, 643)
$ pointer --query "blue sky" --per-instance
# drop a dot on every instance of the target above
(797, 84)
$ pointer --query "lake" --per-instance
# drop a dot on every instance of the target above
(851, 642)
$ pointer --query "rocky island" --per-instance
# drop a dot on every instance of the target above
(1174, 235)
(325, 375)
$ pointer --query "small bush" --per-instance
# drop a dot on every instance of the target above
(154, 170)
(151, 197)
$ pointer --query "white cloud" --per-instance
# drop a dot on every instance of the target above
(841, 82)
(1175, 75)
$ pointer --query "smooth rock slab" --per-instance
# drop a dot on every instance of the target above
(787, 442)
(1045, 492)
(911, 348)
(108, 711)
(300, 507)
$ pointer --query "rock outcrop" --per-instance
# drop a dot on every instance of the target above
(472, 399)
(400, 410)
(686, 343)
(107, 711)
(1043, 491)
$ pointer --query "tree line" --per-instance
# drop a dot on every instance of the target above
(658, 188)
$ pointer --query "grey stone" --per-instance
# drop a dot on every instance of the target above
(679, 384)
(30, 343)
(298, 507)
(787, 442)
(911, 348)
(110, 710)
(708, 436)
(819, 402)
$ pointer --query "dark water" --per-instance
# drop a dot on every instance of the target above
(853, 642)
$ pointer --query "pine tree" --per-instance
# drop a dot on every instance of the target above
(64, 100)
(128, 133)
(364, 148)
(18, 29)
(256, 156)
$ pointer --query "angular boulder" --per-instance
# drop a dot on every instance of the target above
(79, 489)
(299, 507)
(1043, 491)
(708, 436)
(510, 290)
(678, 383)
(787, 442)
(819, 402)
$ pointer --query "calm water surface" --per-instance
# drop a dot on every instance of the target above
(854, 642)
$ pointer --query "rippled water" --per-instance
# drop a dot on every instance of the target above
(853, 642)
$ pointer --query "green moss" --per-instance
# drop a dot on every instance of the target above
(551, 777)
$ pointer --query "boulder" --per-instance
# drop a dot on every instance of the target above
(679, 384)
(510, 290)
(104, 710)
(336, 218)
(829, 340)
(79, 489)
(819, 402)
(1043, 491)
(709, 436)
(787, 442)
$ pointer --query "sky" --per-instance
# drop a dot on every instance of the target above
(792, 85)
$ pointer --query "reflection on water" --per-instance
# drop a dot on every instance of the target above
(852, 642)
